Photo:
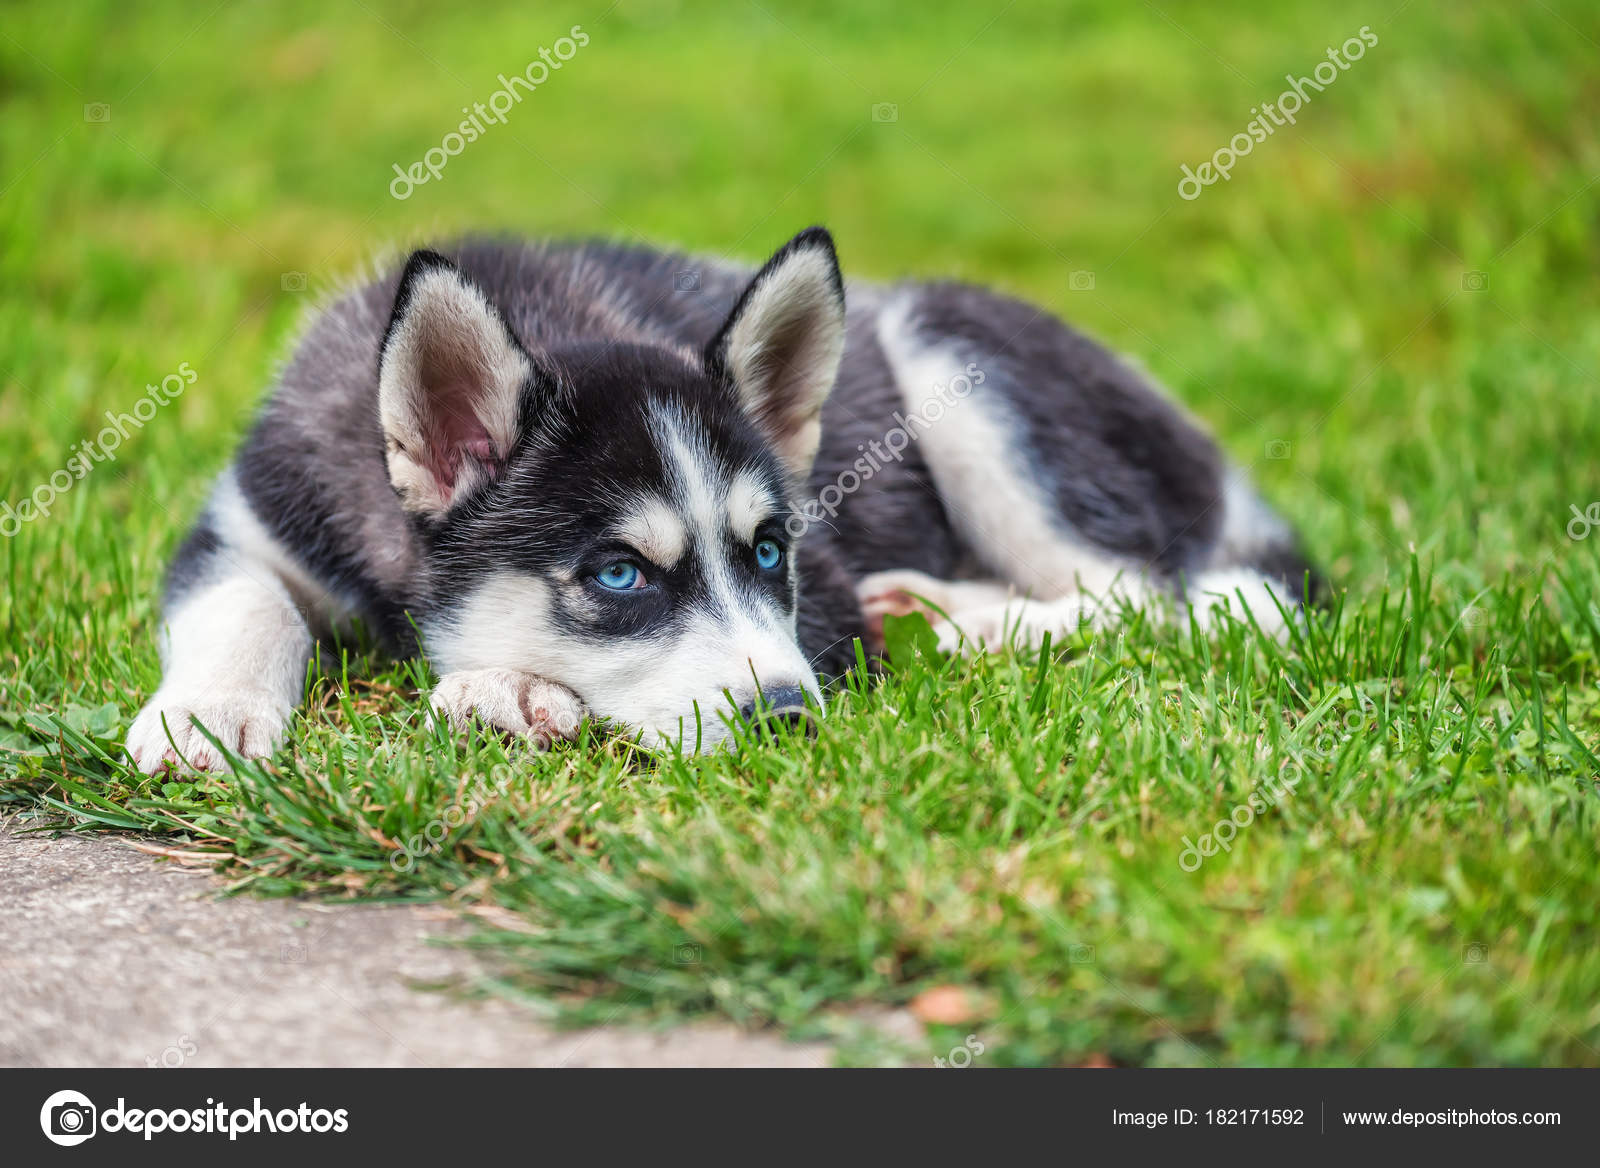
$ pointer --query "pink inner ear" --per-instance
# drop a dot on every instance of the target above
(457, 433)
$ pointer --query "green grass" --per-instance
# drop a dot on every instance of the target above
(1425, 892)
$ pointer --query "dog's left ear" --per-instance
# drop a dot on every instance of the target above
(781, 344)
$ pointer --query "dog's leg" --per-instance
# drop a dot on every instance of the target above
(1065, 475)
(1025, 622)
(235, 653)
(985, 615)
(973, 615)
(234, 645)
(994, 490)
(1243, 595)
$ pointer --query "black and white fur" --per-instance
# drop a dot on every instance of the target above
(458, 447)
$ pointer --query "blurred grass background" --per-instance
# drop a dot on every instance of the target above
(1315, 299)
(1388, 313)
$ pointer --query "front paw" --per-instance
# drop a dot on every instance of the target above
(900, 592)
(512, 702)
(248, 722)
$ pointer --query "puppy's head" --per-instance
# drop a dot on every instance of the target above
(611, 516)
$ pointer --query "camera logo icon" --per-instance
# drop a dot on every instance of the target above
(1474, 281)
(1475, 954)
(687, 953)
(97, 111)
(687, 280)
(885, 111)
(68, 1118)
(1080, 955)
(1278, 449)
(1081, 281)
(293, 281)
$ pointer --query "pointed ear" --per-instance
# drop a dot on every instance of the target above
(450, 376)
(781, 344)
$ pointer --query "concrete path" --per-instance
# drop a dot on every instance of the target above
(109, 957)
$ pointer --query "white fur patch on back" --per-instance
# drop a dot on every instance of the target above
(978, 465)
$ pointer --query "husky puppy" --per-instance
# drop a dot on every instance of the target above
(589, 479)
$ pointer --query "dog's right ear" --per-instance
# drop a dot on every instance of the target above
(450, 378)
(781, 345)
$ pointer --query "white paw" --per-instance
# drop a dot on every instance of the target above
(886, 594)
(514, 702)
(896, 593)
(1244, 595)
(901, 592)
(977, 630)
(995, 627)
(248, 722)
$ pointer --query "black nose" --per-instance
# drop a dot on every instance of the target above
(784, 703)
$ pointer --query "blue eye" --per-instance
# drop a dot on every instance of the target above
(768, 554)
(621, 576)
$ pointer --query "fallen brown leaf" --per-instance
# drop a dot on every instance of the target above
(949, 1005)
